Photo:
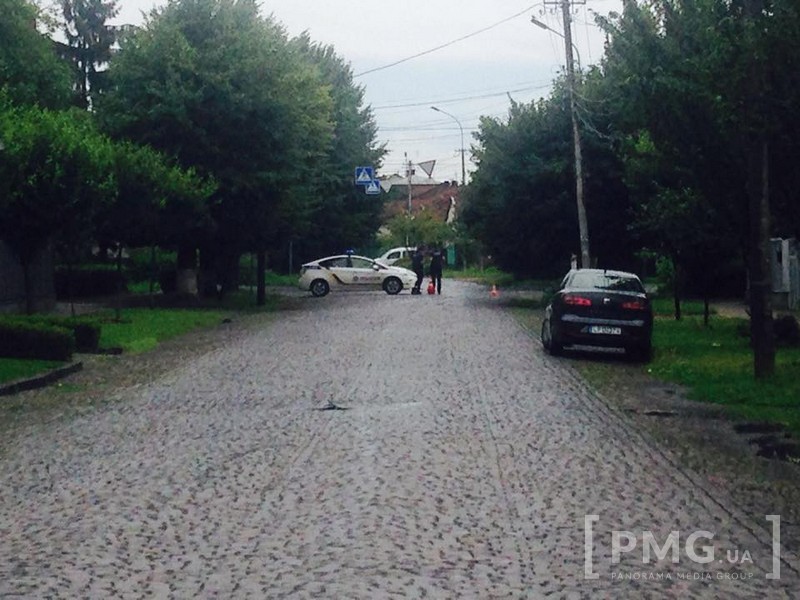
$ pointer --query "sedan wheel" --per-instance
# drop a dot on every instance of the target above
(319, 288)
(392, 286)
(551, 345)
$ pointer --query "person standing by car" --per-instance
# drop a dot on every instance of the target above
(417, 265)
(435, 269)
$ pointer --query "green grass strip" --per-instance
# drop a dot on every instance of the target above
(142, 329)
(16, 368)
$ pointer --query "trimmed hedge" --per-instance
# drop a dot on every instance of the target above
(86, 332)
(37, 340)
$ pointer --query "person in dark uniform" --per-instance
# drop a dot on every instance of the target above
(435, 269)
(417, 266)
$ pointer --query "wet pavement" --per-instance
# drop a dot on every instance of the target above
(464, 463)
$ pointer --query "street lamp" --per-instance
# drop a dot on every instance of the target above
(583, 223)
(544, 25)
(463, 169)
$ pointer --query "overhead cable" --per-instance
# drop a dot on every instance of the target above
(461, 39)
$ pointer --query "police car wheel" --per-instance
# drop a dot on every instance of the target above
(392, 286)
(319, 288)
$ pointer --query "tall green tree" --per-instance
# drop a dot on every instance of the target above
(705, 79)
(217, 86)
(30, 71)
(90, 40)
(521, 202)
(344, 216)
(56, 171)
(156, 203)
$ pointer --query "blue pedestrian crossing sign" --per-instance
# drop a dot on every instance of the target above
(365, 175)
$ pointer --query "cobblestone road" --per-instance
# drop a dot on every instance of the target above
(464, 466)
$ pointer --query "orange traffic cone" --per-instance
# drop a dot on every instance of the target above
(494, 293)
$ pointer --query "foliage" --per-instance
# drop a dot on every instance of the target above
(421, 229)
(486, 276)
(679, 158)
(56, 170)
(343, 216)
(64, 183)
(215, 85)
(156, 202)
(85, 330)
(521, 202)
(665, 307)
(35, 340)
(30, 72)
(141, 263)
(278, 123)
(89, 43)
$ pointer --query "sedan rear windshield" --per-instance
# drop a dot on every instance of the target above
(605, 281)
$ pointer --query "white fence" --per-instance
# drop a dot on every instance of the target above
(785, 273)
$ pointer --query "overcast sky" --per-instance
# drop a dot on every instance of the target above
(467, 79)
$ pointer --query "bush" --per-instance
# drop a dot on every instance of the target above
(87, 282)
(86, 333)
(35, 340)
(139, 266)
(787, 331)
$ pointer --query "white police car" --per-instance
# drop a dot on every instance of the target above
(351, 272)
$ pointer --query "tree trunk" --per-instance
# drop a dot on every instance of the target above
(71, 287)
(153, 276)
(706, 302)
(118, 301)
(261, 282)
(676, 289)
(29, 300)
(762, 334)
(186, 280)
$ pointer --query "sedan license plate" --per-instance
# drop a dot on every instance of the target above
(605, 330)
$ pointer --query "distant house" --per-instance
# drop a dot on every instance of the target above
(441, 199)
(12, 281)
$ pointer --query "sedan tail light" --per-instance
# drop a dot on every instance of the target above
(573, 300)
(635, 305)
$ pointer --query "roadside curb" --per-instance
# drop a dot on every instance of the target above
(32, 383)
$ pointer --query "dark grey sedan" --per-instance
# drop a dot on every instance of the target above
(596, 307)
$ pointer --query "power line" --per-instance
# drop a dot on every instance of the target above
(463, 98)
(461, 39)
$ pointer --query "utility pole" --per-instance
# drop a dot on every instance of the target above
(583, 223)
(409, 172)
